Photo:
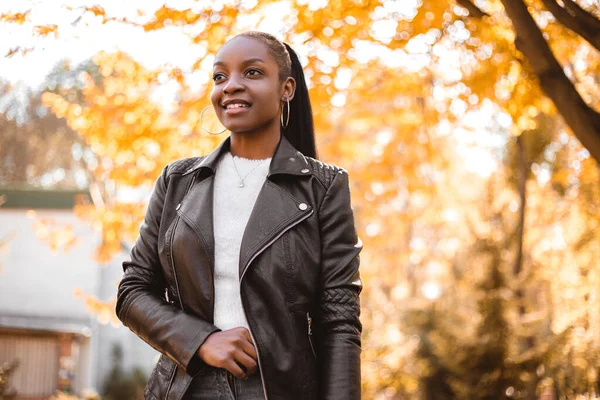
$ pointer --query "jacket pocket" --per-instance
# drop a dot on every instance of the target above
(160, 379)
(148, 393)
(304, 349)
(310, 390)
(309, 333)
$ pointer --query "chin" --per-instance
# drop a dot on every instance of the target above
(239, 128)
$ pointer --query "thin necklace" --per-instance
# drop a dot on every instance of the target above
(236, 170)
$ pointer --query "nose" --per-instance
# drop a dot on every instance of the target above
(233, 84)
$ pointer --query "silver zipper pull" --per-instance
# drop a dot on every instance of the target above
(309, 319)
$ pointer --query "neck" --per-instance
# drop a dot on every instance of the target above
(255, 145)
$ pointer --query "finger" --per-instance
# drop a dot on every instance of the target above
(235, 369)
(246, 362)
(248, 336)
(249, 349)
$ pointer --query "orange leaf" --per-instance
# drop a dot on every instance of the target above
(17, 18)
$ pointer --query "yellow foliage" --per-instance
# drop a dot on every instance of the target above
(87, 395)
(17, 18)
(394, 126)
(56, 236)
(104, 311)
(46, 29)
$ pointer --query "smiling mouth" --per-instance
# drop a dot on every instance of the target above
(236, 108)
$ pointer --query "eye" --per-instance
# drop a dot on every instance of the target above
(253, 70)
(216, 76)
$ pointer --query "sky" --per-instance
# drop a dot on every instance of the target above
(152, 49)
(172, 47)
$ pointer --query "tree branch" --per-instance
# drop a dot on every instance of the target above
(583, 120)
(474, 11)
(576, 21)
(585, 17)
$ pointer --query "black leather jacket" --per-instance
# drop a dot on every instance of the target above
(299, 273)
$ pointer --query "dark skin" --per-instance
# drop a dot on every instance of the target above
(239, 74)
(244, 71)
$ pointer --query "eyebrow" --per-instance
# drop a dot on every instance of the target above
(248, 61)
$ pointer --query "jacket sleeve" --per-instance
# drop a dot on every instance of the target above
(141, 305)
(337, 318)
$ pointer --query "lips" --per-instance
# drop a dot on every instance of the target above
(235, 106)
(235, 103)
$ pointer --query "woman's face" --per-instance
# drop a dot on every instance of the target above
(246, 91)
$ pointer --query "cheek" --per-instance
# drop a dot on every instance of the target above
(270, 102)
(214, 97)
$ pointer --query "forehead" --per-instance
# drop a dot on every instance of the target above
(241, 49)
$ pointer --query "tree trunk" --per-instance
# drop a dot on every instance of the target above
(583, 120)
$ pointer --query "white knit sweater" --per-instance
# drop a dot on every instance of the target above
(231, 210)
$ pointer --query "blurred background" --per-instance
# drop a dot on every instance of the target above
(470, 130)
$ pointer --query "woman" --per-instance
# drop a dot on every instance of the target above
(245, 275)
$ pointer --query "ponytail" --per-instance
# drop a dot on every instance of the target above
(300, 129)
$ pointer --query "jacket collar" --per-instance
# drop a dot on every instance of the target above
(286, 159)
(275, 210)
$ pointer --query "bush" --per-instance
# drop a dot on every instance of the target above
(6, 370)
(121, 386)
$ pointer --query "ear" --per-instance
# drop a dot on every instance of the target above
(288, 89)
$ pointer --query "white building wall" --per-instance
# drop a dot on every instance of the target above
(37, 290)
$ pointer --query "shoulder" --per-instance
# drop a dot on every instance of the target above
(181, 166)
(325, 172)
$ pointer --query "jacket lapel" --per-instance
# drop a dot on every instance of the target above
(275, 210)
(197, 211)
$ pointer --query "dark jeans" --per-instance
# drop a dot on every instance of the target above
(219, 384)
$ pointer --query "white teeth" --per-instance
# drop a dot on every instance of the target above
(235, 105)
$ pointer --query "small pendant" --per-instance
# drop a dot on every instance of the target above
(241, 183)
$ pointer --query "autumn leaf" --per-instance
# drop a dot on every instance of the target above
(17, 18)
(98, 11)
(43, 30)
(19, 50)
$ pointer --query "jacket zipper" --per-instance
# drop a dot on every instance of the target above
(177, 217)
(309, 320)
(262, 378)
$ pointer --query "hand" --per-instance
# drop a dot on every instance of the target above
(231, 349)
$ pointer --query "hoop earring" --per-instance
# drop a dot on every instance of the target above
(202, 125)
(287, 121)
